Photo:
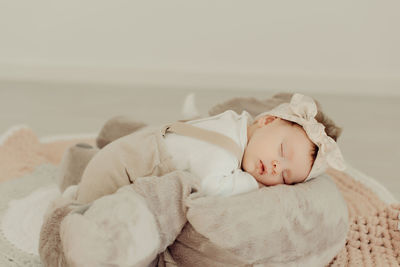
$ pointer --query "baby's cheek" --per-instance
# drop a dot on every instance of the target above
(246, 163)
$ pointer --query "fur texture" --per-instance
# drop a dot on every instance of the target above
(51, 250)
(274, 226)
(127, 228)
(74, 162)
(117, 127)
(107, 234)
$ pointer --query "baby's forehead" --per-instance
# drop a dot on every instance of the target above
(290, 126)
(295, 132)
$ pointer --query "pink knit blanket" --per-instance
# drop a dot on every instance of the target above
(374, 235)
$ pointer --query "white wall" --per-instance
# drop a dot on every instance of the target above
(335, 46)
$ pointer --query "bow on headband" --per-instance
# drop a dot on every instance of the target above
(302, 110)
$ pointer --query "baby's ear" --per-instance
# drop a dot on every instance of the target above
(264, 120)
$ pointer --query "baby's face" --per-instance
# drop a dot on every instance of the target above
(277, 152)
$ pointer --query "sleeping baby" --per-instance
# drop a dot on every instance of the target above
(229, 153)
(137, 193)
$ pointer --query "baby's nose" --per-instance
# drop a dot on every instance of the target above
(276, 166)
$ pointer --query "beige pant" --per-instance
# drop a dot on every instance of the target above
(140, 154)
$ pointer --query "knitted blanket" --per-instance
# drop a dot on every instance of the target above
(28, 167)
(374, 235)
(373, 238)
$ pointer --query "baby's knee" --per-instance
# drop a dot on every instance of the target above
(103, 175)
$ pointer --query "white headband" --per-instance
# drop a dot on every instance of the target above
(302, 110)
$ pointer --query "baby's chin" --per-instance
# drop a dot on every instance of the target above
(265, 181)
(257, 177)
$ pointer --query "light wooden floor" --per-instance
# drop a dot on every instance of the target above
(369, 142)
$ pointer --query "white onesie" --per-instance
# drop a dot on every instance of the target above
(216, 167)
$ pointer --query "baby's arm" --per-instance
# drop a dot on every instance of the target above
(219, 184)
